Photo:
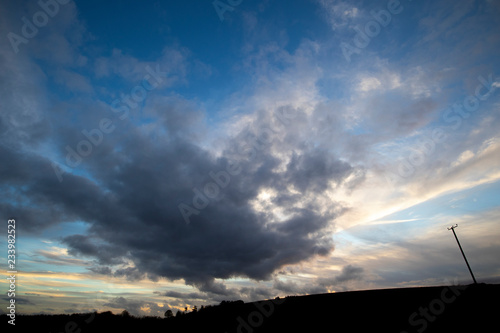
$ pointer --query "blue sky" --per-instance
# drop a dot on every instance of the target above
(164, 154)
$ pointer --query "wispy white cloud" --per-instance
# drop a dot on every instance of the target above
(340, 14)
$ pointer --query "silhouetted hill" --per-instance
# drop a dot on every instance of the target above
(472, 308)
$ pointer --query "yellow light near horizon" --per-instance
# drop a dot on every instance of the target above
(43, 293)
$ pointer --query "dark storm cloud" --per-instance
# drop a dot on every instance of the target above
(131, 205)
(314, 170)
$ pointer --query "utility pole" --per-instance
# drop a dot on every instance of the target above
(452, 228)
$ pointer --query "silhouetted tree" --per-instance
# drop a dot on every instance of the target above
(169, 314)
(106, 314)
(125, 314)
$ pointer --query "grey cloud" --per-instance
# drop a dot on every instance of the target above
(20, 300)
(134, 306)
(82, 245)
(287, 287)
(175, 298)
(256, 293)
(215, 288)
(132, 274)
(401, 117)
(105, 270)
(176, 294)
(314, 170)
(349, 273)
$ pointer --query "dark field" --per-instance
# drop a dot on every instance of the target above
(467, 308)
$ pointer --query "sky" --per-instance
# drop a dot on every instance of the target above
(157, 155)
